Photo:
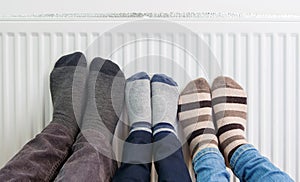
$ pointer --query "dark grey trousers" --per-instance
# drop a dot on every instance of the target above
(56, 154)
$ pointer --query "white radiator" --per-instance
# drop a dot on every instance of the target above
(261, 54)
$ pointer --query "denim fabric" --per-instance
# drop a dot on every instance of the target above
(41, 158)
(136, 166)
(209, 165)
(171, 168)
(91, 159)
(249, 165)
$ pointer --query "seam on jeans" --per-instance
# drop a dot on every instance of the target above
(56, 165)
(59, 162)
(239, 154)
(53, 170)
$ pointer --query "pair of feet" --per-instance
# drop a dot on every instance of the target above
(213, 117)
(151, 103)
(92, 99)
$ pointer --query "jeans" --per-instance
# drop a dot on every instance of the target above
(136, 165)
(249, 165)
(209, 165)
(246, 162)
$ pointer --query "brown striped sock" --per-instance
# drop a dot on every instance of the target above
(195, 116)
(229, 102)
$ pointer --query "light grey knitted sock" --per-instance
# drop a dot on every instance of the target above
(164, 103)
(137, 97)
(106, 84)
(67, 85)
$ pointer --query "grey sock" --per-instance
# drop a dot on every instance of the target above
(67, 85)
(106, 84)
(164, 103)
(137, 97)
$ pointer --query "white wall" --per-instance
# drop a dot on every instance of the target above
(101, 6)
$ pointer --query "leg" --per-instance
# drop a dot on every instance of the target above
(168, 156)
(92, 157)
(248, 165)
(136, 165)
(195, 116)
(137, 151)
(230, 107)
(209, 166)
(41, 158)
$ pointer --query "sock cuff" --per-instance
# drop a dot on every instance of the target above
(141, 126)
(163, 127)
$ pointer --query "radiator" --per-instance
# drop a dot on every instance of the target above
(262, 54)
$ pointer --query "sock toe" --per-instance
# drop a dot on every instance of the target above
(110, 68)
(96, 64)
(198, 85)
(74, 59)
(106, 67)
(138, 76)
(163, 79)
(225, 82)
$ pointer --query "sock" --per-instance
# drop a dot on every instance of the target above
(137, 97)
(164, 103)
(105, 97)
(67, 85)
(229, 102)
(195, 116)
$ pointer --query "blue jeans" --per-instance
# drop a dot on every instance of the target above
(246, 163)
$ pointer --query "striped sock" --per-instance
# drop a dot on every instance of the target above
(164, 103)
(138, 103)
(195, 115)
(229, 102)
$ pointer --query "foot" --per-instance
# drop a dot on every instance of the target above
(137, 97)
(164, 103)
(67, 85)
(195, 116)
(229, 102)
(106, 84)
